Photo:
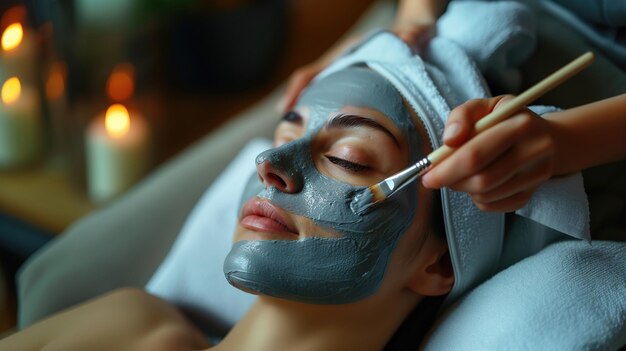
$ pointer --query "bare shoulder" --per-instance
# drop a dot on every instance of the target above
(159, 325)
(126, 320)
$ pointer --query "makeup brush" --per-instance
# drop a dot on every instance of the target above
(366, 198)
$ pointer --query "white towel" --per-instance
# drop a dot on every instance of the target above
(498, 36)
(570, 296)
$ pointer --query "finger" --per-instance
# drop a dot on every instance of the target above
(492, 176)
(520, 183)
(298, 81)
(476, 154)
(461, 120)
(509, 204)
(415, 36)
(527, 153)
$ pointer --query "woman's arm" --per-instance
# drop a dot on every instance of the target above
(589, 135)
(127, 319)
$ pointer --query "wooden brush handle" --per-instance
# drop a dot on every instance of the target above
(525, 98)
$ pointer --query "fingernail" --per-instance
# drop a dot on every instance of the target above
(425, 183)
(451, 131)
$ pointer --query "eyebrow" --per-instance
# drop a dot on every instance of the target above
(348, 121)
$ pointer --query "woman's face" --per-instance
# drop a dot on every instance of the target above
(297, 237)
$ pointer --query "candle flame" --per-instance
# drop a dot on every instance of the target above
(11, 90)
(117, 120)
(12, 36)
(121, 83)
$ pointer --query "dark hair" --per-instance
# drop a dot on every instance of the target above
(437, 225)
(416, 326)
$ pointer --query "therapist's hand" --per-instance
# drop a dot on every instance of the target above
(501, 167)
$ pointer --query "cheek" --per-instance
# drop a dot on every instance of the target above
(408, 247)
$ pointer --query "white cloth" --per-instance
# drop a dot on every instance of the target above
(498, 36)
(570, 296)
(561, 204)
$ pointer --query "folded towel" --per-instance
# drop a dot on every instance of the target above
(191, 275)
(570, 296)
(498, 36)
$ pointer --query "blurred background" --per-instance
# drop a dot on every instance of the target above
(97, 94)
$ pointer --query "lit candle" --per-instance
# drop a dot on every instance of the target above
(20, 128)
(117, 152)
(18, 52)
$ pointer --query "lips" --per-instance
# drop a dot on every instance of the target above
(261, 216)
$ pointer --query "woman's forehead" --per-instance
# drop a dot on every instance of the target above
(359, 87)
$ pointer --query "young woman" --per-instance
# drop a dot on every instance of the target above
(327, 278)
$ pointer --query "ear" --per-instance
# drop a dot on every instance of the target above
(434, 275)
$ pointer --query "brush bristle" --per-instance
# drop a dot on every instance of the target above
(378, 193)
(366, 198)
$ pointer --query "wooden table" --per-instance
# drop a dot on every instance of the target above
(43, 197)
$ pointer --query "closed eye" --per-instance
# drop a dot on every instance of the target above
(348, 165)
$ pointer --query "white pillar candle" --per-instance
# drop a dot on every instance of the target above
(117, 152)
(18, 54)
(20, 124)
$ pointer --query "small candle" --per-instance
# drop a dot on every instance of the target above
(117, 152)
(20, 128)
(18, 52)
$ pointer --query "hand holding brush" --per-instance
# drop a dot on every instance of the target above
(386, 188)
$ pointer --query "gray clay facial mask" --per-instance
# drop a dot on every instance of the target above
(328, 270)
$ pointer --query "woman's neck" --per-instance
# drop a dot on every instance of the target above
(273, 324)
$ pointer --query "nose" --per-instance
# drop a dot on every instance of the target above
(279, 179)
